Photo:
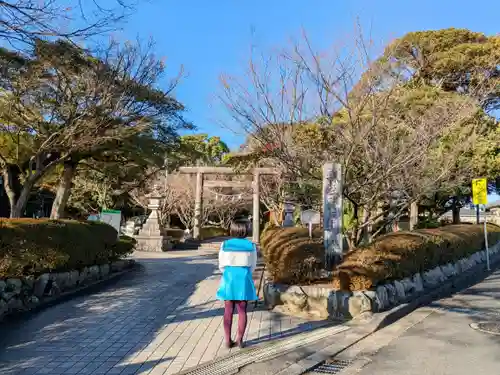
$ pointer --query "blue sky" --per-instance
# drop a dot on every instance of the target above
(213, 37)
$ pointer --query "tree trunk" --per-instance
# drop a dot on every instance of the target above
(9, 188)
(63, 191)
(455, 212)
(351, 239)
(274, 217)
(413, 215)
(17, 210)
(367, 229)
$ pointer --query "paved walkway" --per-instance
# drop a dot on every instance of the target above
(160, 320)
(443, 343)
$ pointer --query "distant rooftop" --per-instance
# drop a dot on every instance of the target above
(493, 204)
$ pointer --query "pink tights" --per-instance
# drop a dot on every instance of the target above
(241, 306)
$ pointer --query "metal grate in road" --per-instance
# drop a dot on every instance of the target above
(333, 366)
(487, 327)
(233, 362)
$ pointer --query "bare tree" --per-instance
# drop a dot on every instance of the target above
(178, 198)
(273, 194)
(183, 189)
(225, 207)
(168, 191)
(24, 21)
(178, 194)
(396, 143)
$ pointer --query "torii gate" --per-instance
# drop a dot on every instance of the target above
(200, 183)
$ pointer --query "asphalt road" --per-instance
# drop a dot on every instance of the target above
(441, 341)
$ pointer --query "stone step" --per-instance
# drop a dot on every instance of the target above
(210, 245)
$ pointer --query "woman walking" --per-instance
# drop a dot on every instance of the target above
(237, 261)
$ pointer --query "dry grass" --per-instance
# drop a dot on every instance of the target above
(290, 256)
(402, 254)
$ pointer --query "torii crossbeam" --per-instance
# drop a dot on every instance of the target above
(201, 171)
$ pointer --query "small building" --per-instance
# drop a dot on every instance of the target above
(468, 215)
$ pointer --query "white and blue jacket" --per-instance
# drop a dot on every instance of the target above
(237, 252)
(237, 261)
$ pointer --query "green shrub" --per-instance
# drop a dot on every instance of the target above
(402, 254)
(428, 223)
(103, 231)
(123, 247)
(33, 246)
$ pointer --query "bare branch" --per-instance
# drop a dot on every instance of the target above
(390, 138)
(24, 21)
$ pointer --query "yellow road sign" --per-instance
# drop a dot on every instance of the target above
(479, 191)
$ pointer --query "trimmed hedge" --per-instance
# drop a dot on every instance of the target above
(266, 236)
(211, 232)
(403, 254)
(123, 247)
(34, 246)
(290, 255)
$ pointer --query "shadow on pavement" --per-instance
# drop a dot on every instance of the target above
(478, 303)
(97, 333)
(123, 327)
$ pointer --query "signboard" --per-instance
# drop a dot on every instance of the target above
(310, 217)
(113, 218)
(479, 191)
(480, 196)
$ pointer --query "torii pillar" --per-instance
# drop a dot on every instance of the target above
(198, 205)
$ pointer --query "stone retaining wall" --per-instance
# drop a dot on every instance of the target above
(322, 302)
(22, 294)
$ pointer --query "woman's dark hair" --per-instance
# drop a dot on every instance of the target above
(238, 229)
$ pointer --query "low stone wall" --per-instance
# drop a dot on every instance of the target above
(23, 294)
(323, 302)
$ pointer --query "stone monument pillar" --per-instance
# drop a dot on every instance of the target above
(332, 213)
(150, 237)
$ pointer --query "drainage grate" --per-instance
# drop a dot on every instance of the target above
(232, 362)
(333, 366)
(487, 327)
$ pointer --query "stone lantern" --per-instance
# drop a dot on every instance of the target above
(289, 208)
(150, 237)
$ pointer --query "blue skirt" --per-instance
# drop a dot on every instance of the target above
(237, 285)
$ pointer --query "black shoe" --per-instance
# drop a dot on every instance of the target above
(230, 344)
(241, 344)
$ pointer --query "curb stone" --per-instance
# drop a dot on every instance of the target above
(361, 354)
(324, 301)
(70, 294)
(359, 331)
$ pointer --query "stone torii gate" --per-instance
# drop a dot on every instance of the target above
(200, 184)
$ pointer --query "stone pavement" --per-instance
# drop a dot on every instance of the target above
(161, 319)
(442, 341)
